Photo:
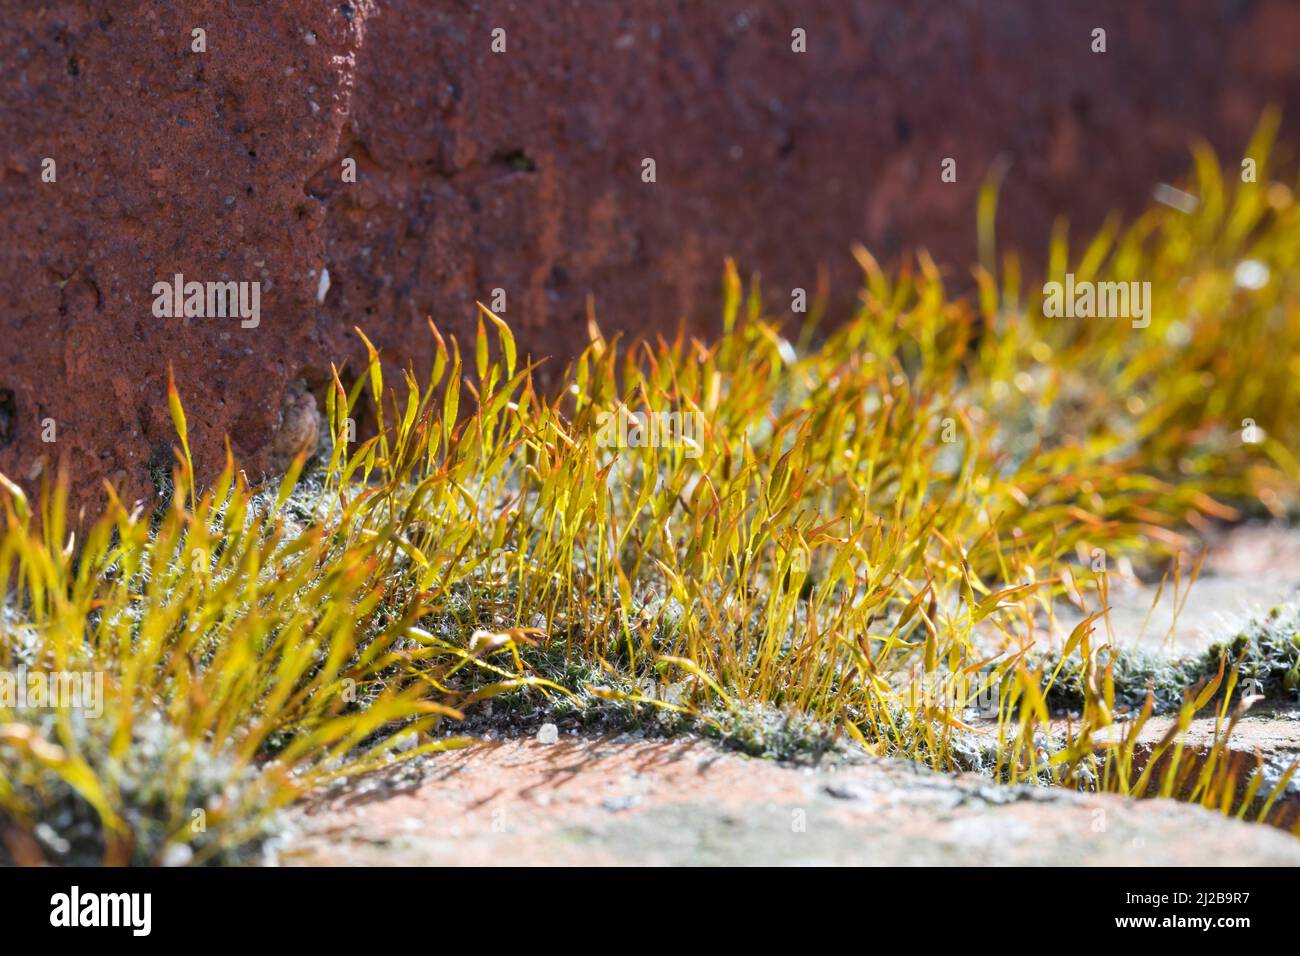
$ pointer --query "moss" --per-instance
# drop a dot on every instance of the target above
(166, 788)
(1265, 653)
(851, 509)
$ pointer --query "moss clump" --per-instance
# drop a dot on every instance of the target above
(169, 793)
(1265, 654)
(841, 511)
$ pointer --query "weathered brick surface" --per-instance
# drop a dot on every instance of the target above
(631, 802)
(522, 171)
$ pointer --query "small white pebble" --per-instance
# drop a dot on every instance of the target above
(1251, 274)
(548, 734)
(177, 854)
(1175, 198)
(323, 286)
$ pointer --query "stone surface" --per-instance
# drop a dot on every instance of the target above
(624, 801)
(521, 171)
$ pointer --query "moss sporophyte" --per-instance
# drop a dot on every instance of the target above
(755, 537)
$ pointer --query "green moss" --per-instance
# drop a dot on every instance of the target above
(844, 512)
(1265, 653)
(169, 792)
